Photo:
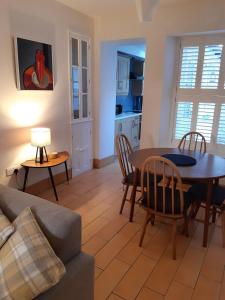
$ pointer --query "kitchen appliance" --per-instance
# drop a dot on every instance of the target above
(119, 109)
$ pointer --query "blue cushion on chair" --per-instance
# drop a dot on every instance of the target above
(199, 193)
(168, 191)
(129, 179)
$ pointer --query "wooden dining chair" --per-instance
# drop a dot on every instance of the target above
(199, 194)
(123, 149)
(194, 141)
(167, 200)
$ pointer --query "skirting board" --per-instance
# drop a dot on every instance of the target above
(99, 163)
(45, 184)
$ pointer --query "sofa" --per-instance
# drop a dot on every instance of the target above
(62, 227)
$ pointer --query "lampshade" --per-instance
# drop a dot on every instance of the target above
(40, 137)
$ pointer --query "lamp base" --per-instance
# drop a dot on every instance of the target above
(41, 155)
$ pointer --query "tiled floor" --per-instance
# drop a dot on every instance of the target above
(124, 270)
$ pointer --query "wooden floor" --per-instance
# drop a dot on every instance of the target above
(125, 271)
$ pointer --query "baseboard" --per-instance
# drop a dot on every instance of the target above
(99, 163)
(45, 184)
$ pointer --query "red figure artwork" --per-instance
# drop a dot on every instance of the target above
(38, 76)
(34, 65)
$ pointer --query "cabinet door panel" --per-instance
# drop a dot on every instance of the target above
(123, 73)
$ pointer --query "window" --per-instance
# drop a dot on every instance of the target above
(80, 81)
(200, 92)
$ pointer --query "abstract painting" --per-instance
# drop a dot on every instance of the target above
(33, 65)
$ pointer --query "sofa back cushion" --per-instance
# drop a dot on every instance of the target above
(61, 226)
(29, 265)
(6, 228)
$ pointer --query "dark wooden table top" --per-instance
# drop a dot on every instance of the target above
(208, 166)
(61, 158)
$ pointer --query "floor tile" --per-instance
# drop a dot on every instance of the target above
(179, 291)
(147, 294)
(94, 245)
(206, 289)
(189, 269)
(131, 284)
(109, 278)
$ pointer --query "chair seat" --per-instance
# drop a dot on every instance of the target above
(199, 193)
(129, 179)
(168, 191)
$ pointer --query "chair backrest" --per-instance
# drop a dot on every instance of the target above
(168, 193)
(194, 141)
(123, 149)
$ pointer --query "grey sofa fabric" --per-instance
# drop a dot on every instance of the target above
(62, 228)
(79, 277)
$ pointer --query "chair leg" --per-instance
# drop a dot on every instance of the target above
(124, 198)
(152, 219)
(195, 210)
(223, 227)
(147, 219)
(213, 215)
(174, 233)
(186, 223)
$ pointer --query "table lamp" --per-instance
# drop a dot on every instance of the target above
(41, 137)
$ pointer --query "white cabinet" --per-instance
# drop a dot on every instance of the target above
(123, 74)
(82, 147)
(135, 128)
(81, 108)
(131, 128)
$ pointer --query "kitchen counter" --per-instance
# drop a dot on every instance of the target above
(127, 115)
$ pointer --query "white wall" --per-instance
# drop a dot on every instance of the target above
(175, 19)
(46, 21)
(107, 99)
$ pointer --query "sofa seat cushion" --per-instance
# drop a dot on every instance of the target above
(6, 228)
(28, 264)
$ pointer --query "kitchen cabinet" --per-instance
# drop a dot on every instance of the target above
(131, 128)
(123, 74)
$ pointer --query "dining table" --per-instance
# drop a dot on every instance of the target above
(208, 169)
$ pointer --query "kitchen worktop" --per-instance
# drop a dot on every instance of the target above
(127, 115)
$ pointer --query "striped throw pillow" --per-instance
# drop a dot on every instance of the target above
(6, 228)
(28, 264)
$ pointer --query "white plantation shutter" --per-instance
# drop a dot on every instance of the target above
(221, 128)
(183, 118)
(189, 67)
(211, 66)
(200, 92)
(205, 119)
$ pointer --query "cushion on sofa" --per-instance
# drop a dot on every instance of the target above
(28, 264)
(6, 228)
(61, 226)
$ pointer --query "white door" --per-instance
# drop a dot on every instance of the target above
(81, 104)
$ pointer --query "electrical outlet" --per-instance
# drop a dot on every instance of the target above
(10, 171)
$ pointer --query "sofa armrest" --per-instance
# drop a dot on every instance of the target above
(61, 226)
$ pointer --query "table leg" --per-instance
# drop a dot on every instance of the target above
(133, 194)
(67, 175)
(25, 178)
(207, 213)
(53, 184)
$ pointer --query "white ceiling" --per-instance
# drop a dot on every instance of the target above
(104, 7)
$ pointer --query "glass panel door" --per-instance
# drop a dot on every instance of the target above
(80, 78)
